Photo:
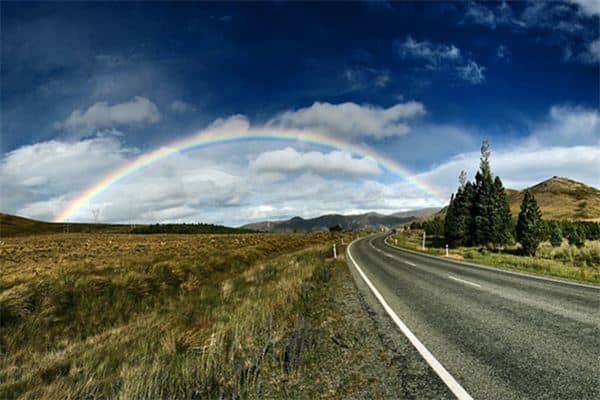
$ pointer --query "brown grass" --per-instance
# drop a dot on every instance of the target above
(131, 316)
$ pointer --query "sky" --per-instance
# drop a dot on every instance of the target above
(87, 88)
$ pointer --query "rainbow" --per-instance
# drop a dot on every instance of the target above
(219, 137)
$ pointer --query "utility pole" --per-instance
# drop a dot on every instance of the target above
(424, 240)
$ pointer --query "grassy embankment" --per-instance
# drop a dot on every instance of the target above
(178, 316)
(565, 261)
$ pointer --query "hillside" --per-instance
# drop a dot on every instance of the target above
(558, 198)
(12, 225)
(347, 222)
(561, 198)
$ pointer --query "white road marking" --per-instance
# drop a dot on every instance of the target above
(411, 264)
(463, 281)
(453, 385)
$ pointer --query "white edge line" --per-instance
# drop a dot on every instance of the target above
(439, 369)
(464, 263)
(463, 281)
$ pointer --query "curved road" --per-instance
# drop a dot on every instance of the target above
(499, 335)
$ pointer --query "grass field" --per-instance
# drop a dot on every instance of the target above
(155, 316)
(565, 261)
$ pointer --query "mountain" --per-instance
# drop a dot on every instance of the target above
(558, 198)
(347, 222)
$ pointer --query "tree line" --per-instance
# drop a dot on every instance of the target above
(479, 215)
(188, 229)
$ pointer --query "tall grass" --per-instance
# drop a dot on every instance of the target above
(168, 322)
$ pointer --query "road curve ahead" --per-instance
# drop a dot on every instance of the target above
(498, 335)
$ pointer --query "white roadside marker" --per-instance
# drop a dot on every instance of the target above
(453, 385)
(463, 281)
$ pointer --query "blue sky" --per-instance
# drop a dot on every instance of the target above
(89, 87)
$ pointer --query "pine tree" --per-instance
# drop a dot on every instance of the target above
(467, 222)
(555, 234)
(450, 223)
(483, 205)
(529, 225)
(458, 225)
(501, 219)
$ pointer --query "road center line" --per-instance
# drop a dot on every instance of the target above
(463, 281)
(453, 385)
(411, 264)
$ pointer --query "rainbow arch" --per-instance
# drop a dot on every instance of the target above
(206, 139)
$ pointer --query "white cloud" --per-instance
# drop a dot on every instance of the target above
(492, 17)
(520, 167)
(590, 55)
(566, 143)
(472, 72)
(366, 78)
(290, 160)
(238, 183)
(137, 111)
(503, 53)
(181, 107)
(588, 7)
(441, 57)
(352, 120)
(433, 53)
(567, 125)
(237, 123)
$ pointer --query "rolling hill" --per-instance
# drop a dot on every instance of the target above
(558, 198)
(561, 198)
(347, 222)
(12, 225)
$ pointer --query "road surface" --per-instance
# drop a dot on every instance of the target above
(497, 335)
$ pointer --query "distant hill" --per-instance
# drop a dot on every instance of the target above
(558, 198)
(347, 222)
(12, 225)
(561, 198)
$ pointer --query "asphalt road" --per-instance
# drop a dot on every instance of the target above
(499, 335)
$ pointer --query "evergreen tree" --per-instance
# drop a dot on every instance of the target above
(450, 223)
(483, 205)
(529, 225)
(458, 223)
(501, 219)
(467, 221)
(555, 235)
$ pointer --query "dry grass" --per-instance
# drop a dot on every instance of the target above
(130, 316)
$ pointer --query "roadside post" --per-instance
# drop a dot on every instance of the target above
(334, 252)
(423, 240)
(446, 250)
